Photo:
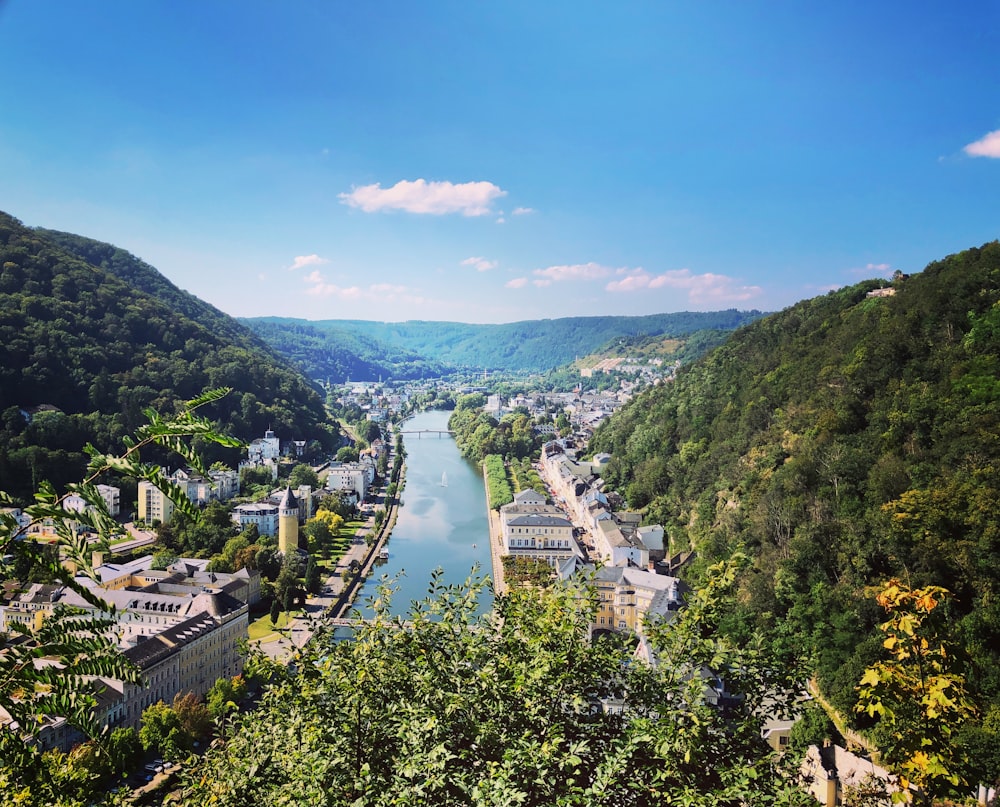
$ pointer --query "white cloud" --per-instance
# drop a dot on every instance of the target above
(385, 292)
(516, 283)
(421, 196)
(387, 288)
(480, 264)
(319, 287)
(523, 211)
(986, 146)
(577, 271)
(701, 289)
(307, 260)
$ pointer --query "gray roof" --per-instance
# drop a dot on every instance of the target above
(157, 648)
(288, 501)
(538, 520)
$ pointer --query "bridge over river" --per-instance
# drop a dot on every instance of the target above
(421, 432)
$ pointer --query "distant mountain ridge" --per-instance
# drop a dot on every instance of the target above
(530, 345)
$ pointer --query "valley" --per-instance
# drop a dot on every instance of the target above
(806, 462)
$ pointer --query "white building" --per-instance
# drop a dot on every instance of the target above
(112, 498)
(533, 529)
(264, 448)
(263, 515)
(227, 483)
(349, 476)
(221, 485)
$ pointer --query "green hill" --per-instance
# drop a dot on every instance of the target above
(340, 354)
(843, 441)
(533, 345)
(95, 335)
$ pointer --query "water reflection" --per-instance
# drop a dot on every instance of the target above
(439, 525)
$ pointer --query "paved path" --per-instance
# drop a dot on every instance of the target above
(302, 626)
(496, 552)
(496, 542)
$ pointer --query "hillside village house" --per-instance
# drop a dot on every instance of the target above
(156, 506)
(110, 495)
(221, 485)
(264, 448)
(263, 452)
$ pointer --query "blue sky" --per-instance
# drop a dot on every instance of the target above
(493, 162)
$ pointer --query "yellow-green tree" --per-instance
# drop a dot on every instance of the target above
(918, 694)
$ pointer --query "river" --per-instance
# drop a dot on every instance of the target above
(442, 521)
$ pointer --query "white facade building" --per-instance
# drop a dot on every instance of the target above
(533, 529)
(349, 476)
(262, 514)
(264, 448)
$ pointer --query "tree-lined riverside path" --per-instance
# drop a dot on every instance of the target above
(441, 521)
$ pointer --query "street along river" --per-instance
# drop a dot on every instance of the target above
(442, 521)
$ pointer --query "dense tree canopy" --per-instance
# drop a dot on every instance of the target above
(515, 706)
(843, 441)
(97, 336)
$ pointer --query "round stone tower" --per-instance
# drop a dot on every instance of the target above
(288, 522)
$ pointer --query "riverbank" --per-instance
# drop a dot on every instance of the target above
(345, 598)
(496, 541)
(337, 597)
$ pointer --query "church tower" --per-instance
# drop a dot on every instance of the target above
(288, 522)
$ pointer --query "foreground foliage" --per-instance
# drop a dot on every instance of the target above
(918, 694)
(50, 672)
(450, 706)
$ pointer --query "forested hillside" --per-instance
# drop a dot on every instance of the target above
(336, 355)
(95, 333)
(843, 441)
(533, 345)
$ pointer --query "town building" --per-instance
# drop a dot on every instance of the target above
(830, 773)
(263, 515)
(155, 507)
(630, 597)
(183, 631)
(264, 448)
(531, 528)
(352, 476)
(220, 485)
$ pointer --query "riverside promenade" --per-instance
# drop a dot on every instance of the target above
(496, 542)
(337, 597)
